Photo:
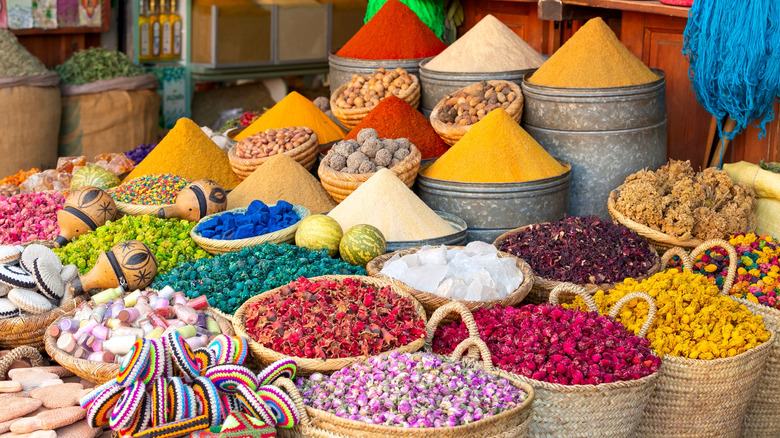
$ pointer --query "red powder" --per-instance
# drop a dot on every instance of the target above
(394, 118)
(394, 32)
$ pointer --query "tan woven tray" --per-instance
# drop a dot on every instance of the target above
(216, 246)
(451, 133)
(125, 209)
(99, 372)
(29, 330)
(339, 185)
(353, 116)
(305, 155)
(542, 287)
(307, 366)
(431, 302)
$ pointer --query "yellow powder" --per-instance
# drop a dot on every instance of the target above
(296, 110)
(282, 178)
(593, 58)
(495, 150)
(186, 151)
(385, 202)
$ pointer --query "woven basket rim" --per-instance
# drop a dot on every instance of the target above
(139, 209)
(39, 317)
(453, 131)
(723, 360)
(351, 112)
(327, 173)
(300, 150)
(547, 284)
(239, 322)
(517, 295)
(300, 210)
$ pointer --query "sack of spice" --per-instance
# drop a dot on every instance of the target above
(30, 105)
(765, 179)
(108, 104)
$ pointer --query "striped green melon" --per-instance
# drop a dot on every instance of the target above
(319, 232)
(93, 176)
(361, 244)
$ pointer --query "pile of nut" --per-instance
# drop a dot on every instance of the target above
(467, 108)
(368, 153)
(367, 91)
(272, 142)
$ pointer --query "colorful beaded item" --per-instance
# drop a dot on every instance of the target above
(136, 362)
(182, 355)
(280, 404)
(281, 368)
(209, 398)
(227, 378)
(254, 405)
(176, 428)
(127, 405)
(241, 425)
(99, 412)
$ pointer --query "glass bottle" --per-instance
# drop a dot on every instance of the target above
(154, 23)
(175, 19)
(144, 51)
(165, 21)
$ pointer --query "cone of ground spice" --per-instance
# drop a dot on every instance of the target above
(186, 151)
(293, 111)
(593, 58)
(495, 150)
(394, 118)
(395, 32)
(282, 178)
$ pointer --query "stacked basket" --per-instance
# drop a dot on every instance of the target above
(353, 116)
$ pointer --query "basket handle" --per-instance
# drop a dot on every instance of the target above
(441, 313)
(576, 290)
(651, 311)
(679, 252)
(295, 395)
(19, 353)
(487, 358)
(732, 272)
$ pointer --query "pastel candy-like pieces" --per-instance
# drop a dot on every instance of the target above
(29, 301)
(136, 362)
(182, 355)
(17, 277)
(8, 309)
(240, 425)
(205, 358)
(99, 411)
(254, 405)
(87, 400)
(227, 378)
(176, 428)
(127, 405)
(281, 368)
(280, 404)
(209, 399)
(159, 401)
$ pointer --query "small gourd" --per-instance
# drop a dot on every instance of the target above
(201, 198)
(129, 264)
(84, 210)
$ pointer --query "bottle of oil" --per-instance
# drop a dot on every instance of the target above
(165, 21)
(154, 24)
(144, 49)
(175, 20)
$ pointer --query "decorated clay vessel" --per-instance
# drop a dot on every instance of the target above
(129, 264)
(198, 200)
(85, 210)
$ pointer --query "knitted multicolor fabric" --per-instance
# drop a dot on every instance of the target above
(128, 404)
(227, 378)
(280, 404)
(141, 419)
(182, 355)
(99, 412)
(159, 401)
(209, 399)
(136, 362)
(205, 358)
(178, 400)
(176, 428)
(241, 425)
(252, 404)
(281, 368)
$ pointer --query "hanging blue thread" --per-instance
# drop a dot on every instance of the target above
(734, 54)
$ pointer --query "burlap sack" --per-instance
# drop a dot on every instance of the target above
(29, 122)
(109, 116)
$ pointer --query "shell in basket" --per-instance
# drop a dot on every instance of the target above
(431, 302)
(451, 133)
(217, 246)
(351, 117)
(307, 366)
(542, 286)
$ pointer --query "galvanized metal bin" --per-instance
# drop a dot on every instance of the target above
(342, 69)
(437, 84)
(457, 238)
(491, 209)
(605, 133)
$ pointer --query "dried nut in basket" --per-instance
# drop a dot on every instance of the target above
(367, 91)
(367, 154)
(467, 108)
(272, 142)
(9, 190)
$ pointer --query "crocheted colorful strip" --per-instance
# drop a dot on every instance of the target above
(281, 368)
(254, 405)
(182, 355)
(127, 405)
(241, 425)
(176, 428)
(207, 394)
(135, 363)
(99, 412)
(280, 404)
(227, 378)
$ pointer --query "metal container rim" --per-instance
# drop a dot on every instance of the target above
(500, 187)
(342, 61)
(436, 74)
(454, 220)
(546, 90)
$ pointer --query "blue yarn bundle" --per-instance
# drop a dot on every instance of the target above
(734, 54)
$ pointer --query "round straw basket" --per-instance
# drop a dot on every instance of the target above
(305, 155)
(340, 185)
(29, 330)
(542, 287)
(431, 301)
(451, 133)
(217, 246)
(125, 209)
(100, 372)
(308, 366)
(316, 423)
(353, 116)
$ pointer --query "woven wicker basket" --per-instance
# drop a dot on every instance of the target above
(451, 133)
(125, 209)
(353, 116)
(431, 302)
(512, 423)
(305, 155)
(99, 372)
(340, 185)
(308, 366)
(29, 330)
(216, 246)
(542, 287)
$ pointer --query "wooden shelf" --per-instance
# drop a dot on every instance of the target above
(105, 10)
(558, 10)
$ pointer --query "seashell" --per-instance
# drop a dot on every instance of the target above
(36, 251)
(8, 309)
(4, 289)
(17, 277)
(30, 301)
(47, 278)
(10, 254)
(69, 273)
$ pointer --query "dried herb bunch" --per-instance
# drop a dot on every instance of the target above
(95, 64)
(682, 203)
